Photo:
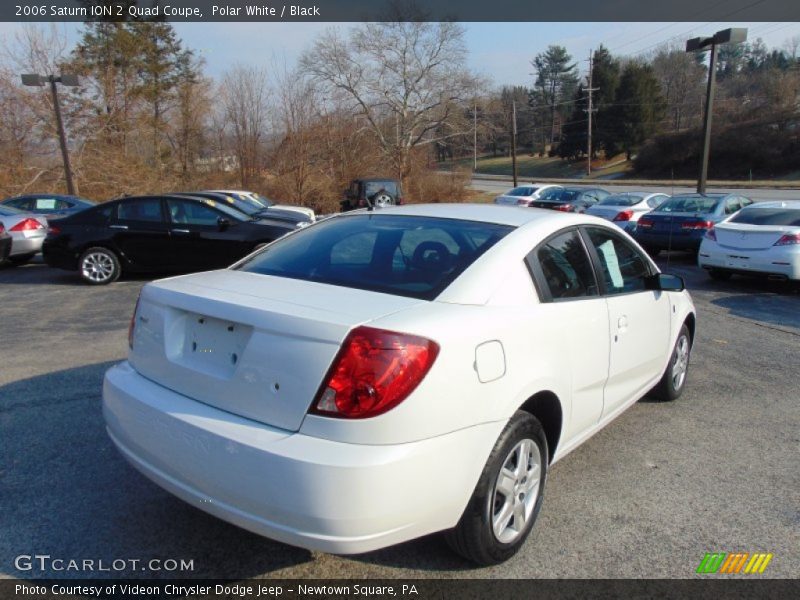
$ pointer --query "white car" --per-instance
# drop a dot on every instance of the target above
(761, 239)
(625, 209)
(379, 376)
(253, 196)
(524, 194)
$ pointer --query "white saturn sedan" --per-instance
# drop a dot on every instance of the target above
(379, 376)
(761, 239)
(524, 194)
(625, 209)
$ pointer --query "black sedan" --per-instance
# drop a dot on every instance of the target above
(50, 205)
(5, 243)
(570, 199)
(155, 234)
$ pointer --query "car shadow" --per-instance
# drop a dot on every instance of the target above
(66, 492)
(779, 310)
(38, 273)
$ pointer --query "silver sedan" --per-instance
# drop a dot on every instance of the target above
(27, 232)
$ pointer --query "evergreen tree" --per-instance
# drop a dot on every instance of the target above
(638, 109)
(556, 78)
(605, 78)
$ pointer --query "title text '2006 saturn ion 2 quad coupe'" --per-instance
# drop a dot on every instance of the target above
(383, 375)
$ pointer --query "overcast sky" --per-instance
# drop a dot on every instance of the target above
(502, 51)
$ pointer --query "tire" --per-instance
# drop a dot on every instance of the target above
(20, 259)
(672, 382)
(475, 537)
(99, 266)
(718, 275)
(382, 199)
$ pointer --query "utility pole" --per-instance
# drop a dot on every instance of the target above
(514, 140)
(591, 110)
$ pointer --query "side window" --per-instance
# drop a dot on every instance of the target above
(745, 201)
(562, 267)
(21, 204)
(732, 205)
(186, 212)
(624, 269)
(141, 209)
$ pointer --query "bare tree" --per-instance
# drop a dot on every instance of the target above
(682, 82)
(406, 78)
(244, 93)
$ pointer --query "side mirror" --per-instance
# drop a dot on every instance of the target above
(223, 223)
(665, 282)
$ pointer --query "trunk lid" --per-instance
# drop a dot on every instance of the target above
(607, 212)
(674, 221)
(254, 345)
(509, 200)
(743, 236)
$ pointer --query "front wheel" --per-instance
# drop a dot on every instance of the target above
(508, 497)
(674, 378)
(99, 266)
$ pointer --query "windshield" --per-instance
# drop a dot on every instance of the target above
(767, 216)
(409, 256)
(689, 204)
(622, 200)
(522, 191)
(230, 212)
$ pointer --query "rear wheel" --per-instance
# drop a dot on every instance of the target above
(674, 378)
(99, 266)
(20, 259)
(508, 497)
(718, 275)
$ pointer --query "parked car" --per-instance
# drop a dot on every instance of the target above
(377, 192)
(760, 239)
(27, 231)
(524, 194)
(681, 222)
(570, 199)
(383, 375)
(625, 209)
(255, 209)
(49, 205)
(267, 203)
(155, 234)
(5, 243)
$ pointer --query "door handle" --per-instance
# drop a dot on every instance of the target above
(622, 323)
(117, 226)
(181, 231)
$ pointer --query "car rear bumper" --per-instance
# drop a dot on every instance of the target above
(675, 241)
(59, 257)
(298, 489)
(748, 262)
(26, 243)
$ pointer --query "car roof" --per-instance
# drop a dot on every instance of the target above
(790, 204)
(485, 213)
(581, 189)
(715, 195)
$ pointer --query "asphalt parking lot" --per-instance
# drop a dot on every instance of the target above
(646, 497)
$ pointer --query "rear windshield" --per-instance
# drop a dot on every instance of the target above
(522, 191)
(689, 204)
(621, 200)
(409, 256)
(767, 216)
(373, 187)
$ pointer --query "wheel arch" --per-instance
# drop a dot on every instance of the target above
(546, 407)
(691, 322)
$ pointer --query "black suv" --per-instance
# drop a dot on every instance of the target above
(376, 192)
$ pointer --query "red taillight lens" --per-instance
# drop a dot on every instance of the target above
(788, 240)
(523, 202)
(53, 230)
(374, 371)
(624, 215)
(399, 200)
(711, 234)
(132, 325)
(644, 223)
(564, 207)
(27, 225)
(697, 225)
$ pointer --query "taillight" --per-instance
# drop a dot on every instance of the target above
(644, 223)
(132, 325)
(27, 225)
(788, 239)
(523, 202)
(697, 225)
(564, 207)
(624, 215)
(53, 230)
(399, 200)
(711, 234)
(374, 371)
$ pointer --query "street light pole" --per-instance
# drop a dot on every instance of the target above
(726, 36)
(62, 136)
(68, 80)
